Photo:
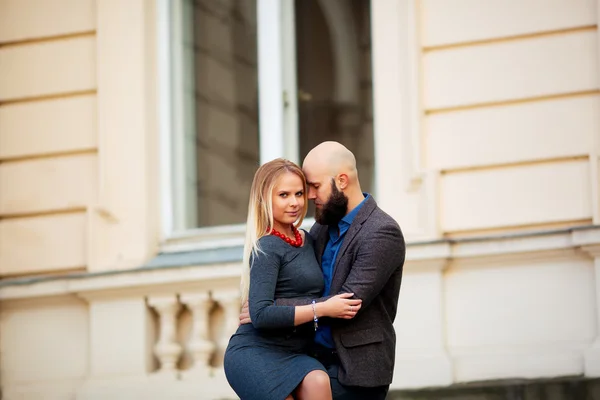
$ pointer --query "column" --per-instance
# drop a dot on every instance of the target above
(123, 223)
(167, 349)
(201, 347)
(278, 99)
(229, 299)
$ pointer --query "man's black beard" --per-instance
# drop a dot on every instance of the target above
(335, 209)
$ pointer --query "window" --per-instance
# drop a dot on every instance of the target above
(312, 59)
(214, 149)
(333, 42)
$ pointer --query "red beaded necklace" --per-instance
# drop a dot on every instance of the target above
(295, 243)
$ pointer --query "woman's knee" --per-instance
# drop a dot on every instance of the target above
(317, 379)
(314, 386)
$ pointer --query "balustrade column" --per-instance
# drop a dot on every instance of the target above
(229, 300)
(201, 347)
(167, 350)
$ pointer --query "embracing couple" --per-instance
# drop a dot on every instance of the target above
(318, 307)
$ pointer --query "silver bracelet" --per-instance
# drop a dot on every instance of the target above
(315, 318)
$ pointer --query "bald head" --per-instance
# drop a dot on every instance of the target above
(331, 158)
(332, 178)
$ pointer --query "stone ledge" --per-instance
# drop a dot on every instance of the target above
(191, 267)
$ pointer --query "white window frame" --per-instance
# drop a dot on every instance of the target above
(278, 117)
(397, 116)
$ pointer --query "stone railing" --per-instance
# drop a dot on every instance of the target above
(193, 331)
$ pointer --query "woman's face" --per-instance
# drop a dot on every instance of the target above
(288, 200)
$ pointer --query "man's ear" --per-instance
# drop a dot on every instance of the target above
(342, 181)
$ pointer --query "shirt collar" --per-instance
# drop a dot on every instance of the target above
(348, 218)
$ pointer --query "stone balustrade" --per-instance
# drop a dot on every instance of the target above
(186, 328)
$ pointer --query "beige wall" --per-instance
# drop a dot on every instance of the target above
(511, 112)
(487, 122)
(48, 141)
(78, 177)
(48, 179)
(76, 182)
(44, 345)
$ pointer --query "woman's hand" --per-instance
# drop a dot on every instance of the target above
(340, 306)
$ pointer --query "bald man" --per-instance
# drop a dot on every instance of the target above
(361, 250)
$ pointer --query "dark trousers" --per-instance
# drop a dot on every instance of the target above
(331, 362)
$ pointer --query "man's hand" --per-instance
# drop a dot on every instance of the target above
(245, 314)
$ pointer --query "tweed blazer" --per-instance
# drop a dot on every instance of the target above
(369, 264)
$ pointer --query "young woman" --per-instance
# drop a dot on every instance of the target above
(267, 360)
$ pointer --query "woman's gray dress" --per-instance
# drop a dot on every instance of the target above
(267, 360)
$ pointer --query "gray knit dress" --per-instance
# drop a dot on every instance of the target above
(267, 360)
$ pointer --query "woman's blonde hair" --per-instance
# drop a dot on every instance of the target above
(260, 211)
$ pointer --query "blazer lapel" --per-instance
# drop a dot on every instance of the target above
(321, 242)
(351, 234)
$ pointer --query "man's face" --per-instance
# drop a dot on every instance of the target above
(331, 204)
(319, 188)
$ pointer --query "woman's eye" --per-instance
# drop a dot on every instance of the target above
(284, 195)
(299, 194)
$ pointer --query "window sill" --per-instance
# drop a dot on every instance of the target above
(212, 238)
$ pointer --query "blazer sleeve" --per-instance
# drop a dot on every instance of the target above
(380, 254)
(264, 270)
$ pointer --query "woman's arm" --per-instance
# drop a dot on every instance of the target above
(340, 306)
(264, 270)
(265, 314)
